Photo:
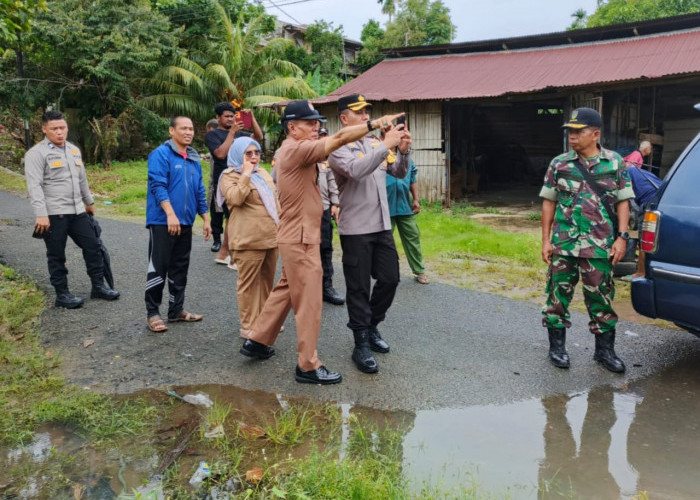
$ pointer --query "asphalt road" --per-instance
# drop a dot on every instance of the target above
(450, 347)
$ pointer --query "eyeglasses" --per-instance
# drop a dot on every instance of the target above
(250, 154)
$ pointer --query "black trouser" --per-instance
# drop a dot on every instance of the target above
(81, 232)
(327, 248)
(168, 258)
(217, 218)
(367, 256)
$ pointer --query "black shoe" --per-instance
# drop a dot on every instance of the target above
(216, 246)
(102, 291)
(320, 375)
(605, 352)
(361, 355)
(376, 342)
(254, 349)
(68, 300)
(331, 296)
(557, 350)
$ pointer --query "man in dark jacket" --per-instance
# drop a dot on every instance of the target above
(175, 196)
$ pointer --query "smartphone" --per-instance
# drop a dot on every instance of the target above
(41, 236)
(401, 120)
(246, 117)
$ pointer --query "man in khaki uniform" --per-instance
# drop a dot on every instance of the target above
(299, 236)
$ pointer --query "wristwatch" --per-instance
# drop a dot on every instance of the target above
(624, 235)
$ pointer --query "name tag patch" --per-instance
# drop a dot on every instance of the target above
(56, 164)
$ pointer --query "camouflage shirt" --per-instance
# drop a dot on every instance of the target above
(582, 227)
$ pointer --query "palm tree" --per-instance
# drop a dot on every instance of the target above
(240, 65)
(580, 17)
(388, 7)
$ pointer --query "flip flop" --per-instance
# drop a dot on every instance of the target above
(156, 324)
(187, 317)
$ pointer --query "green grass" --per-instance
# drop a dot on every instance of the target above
(11, 182)
(33, 392)
(446, 233)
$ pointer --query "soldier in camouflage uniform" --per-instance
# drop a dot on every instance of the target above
(578, 237)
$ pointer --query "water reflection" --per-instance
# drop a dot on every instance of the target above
(607, 443)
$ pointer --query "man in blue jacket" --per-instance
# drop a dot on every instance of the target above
(176, 195)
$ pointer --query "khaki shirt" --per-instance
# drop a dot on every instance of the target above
(56, 179)
(360, 173)
(300, 198)
(250, 226)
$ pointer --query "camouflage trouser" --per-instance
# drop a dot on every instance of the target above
(598, 292)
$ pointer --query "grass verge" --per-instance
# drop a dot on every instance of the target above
(32, 392)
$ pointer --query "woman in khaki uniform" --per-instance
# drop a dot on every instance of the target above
(251, 197)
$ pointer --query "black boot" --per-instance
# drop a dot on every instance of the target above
(216, 245)
(331, 295)
(66, 299)
(101, 291)
(557, 350)
(605, 352)
(361, 355)
(376, 342)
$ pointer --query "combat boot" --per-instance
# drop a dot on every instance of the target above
(605, 352)
(557, 350)
(361, 355)
(66, 299)
(100, 290)
(376, 342)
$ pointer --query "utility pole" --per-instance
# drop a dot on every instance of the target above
(20, 74)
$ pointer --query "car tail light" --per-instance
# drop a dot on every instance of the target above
(650, 230)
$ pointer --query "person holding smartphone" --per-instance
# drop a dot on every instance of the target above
(219, 142)
(364, 224)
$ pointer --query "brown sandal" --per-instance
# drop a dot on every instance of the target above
(156, 324)
(188, 317)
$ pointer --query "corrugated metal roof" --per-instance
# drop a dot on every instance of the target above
(464, 76)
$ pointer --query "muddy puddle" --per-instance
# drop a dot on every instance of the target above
(605, 443)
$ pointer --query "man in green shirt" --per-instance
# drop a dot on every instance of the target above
(578, 236)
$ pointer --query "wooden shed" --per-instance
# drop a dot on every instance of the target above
(487, 115)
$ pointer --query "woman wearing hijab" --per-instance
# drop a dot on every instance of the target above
(251, 197)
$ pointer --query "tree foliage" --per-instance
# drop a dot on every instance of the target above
(16, 18)
(96, 48)
(194, 17)
(627, 11)
(235, 66)
(372, 38)
(417, 22)
(420, 22)
(326, 47)
(388, 7)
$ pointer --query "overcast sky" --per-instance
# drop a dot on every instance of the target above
(475, 19)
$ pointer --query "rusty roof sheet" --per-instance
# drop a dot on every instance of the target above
(492, 74)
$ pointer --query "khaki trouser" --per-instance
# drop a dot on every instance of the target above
(256, 275)
(301, 288)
